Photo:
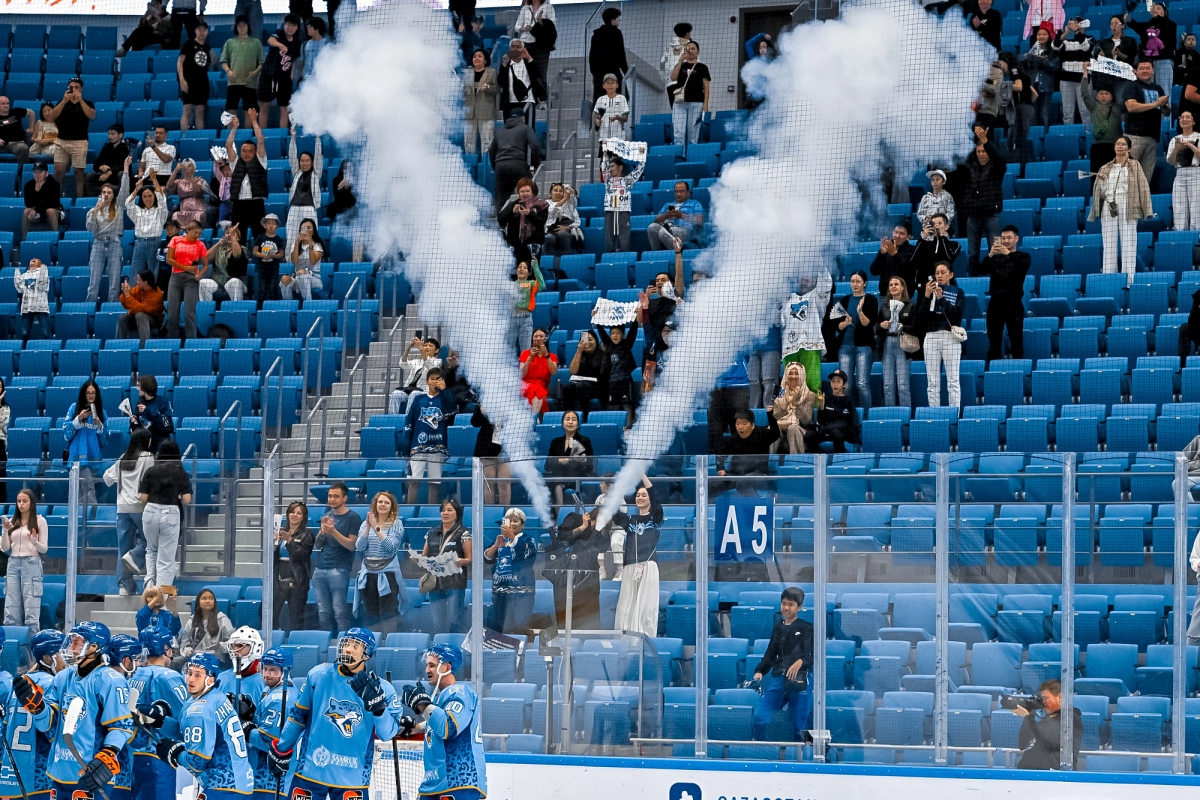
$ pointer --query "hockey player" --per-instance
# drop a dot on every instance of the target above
(243, 681)
(215, 750)
(31, 747)
(275, 667)
(454, 763)
(124, 653)
(162, 695)
(342, 708)
(105, 726)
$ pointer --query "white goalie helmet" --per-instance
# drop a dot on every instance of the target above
(245, 647)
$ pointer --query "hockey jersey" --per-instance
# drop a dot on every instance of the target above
(454, 760)
(216, 747)
(154, 683)
(338, 748)
(268, 721)
(802, 316)
(250, 685)
(29, 746)
(106, 720)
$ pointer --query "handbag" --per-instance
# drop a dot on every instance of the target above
(428, 581)
(909, 343)
(958, 332)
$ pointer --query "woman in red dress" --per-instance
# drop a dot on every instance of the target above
(538, 364)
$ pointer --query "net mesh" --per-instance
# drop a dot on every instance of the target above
(406, 762)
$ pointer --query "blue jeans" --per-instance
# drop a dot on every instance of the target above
(895, 374)
(856, 363)
(130, 539)
(145, 256)
(775, 694)
(332, 607)
(448, 607)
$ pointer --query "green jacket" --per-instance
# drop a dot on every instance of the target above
(527, 290)
(1106, 117)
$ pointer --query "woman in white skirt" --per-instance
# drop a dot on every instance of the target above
(304, 196)
(637, 605)
(1120, 197)
(1184, 154)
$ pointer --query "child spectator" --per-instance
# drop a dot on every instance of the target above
(618, 351)
(837, 419)
(785, 666)
(937, 201)
(618, 202)
(611, 113)
(269, 251)
(427, 434)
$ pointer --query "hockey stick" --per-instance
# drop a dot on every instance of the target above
(8, 751)
(282, 720)
(70, 725)
(395, 753)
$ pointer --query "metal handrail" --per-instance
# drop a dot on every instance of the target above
(349, 290)
(229, 481)
(349, 385)
(308, 426)
(191, 509)
(264, 388)
(318, 322)
(221, 433)
(391, 341)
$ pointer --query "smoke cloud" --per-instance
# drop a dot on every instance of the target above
(887, 84)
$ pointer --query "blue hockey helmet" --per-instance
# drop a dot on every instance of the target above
(46, 643)
(276, 657)
(83, 637)
(156, 639)
(446, 653)
(206, 661)
(121, 647)
(361, 635)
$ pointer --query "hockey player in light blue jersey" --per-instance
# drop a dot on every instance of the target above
(29, 746)
(275, 667)
(243, 685)
(162, 696)
(124, 653)
(341, 710)
(454, 763)
(214, 744)
(100, 696)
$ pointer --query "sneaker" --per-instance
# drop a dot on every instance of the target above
(129, 562)
(123, 592)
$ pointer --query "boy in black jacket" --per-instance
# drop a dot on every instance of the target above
(785, 668)
(838, 421)
(747, 452)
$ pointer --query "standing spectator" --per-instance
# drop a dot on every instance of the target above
(1121, 197)
(1189, 332)
(607, 51)
(248, 184)
(427, 358)
(72, 116)
(940, 310)
(24, 540)
(208, 630)
(690, 80)
(538, 366)
(5, 418)
(895, 257)
(148, 211)
(152, 412)
(986, 20)
(333, 555)
(588, 366)
(1118, 47)
(188, 259)
(497, 483)
(1105, 116)
(787, 663)
(154, 615)
(896, 318)
(746, 453)
(1159, 36)
(1006, 309)
(528, 286)
(380, 585)
(13, 137)
(185, 16)
(618, 198)
(837, 419)
(1186, 60)
(673, 49)
(44, 133)
(618, 352)
(937, 201)
(792, 409)
(536, 28)
(801, 320)
(227, 279)
(512, 556)
(472, 38)
(1184, 154)
(448, 594)
(523, 219)
(269, 251)
(110, 161)
(165, 489)
(304, 195)
(983, 196)
(192, 191)
(857, 336)
(306, 257)
(512, 149)
(521, 87)
(43, 200)
(85, 430)
(995, 103)
(34, 287)
(577, 545)
(1023, 109)
(426, 435)
(637, 604)
(563, 232)
(935, 245)
(318, 37)
(731, 395)
(680, 222)
(106, 222)
(242, 59)
(1041, 64)
(659, 301)
(275, 80)
(126, 474)
(569, 457)
(611, 112)
(293, 566)
(480, 87)
(1146, 103)
(191, 70)
(143, 304)
(170, 232)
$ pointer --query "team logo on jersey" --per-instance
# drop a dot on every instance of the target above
(800, 310)
(301, 794)
(345, 716)
(431, 416)
(320, 757)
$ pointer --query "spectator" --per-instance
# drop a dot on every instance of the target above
(185, 16)
(5, 419)
(587, 375)
(513, 555)
(293, 566)
(229, 265)
(1023, 109)
(523, 219)
(528, 286)
(126, 474)
(1041, 63)
(679, 222)
(786, 664)
(248, 184)
(462, 12)
(1189, 332)
(940, 312)
(1121, 197)
(165, 489)
(521, 87)
(937, 201)
(472, 40)
(426, 435)
(419, 367)
(269, 250)
(170, 231)
(152, 28)
(511, 150)
(304, 196)
(673, 49)
(660, 300)
(110, 161)
(986, 20)
(148, 211)
(1146, 103)
(191, 70)
(208, 630)
(242, 59)
(618, 353)
(746, 453)
(579, 546)
(192, 192)
(333, 555)
(43, 200)
(13, 138)
(143, 304)
(606, 54)
(457, 386)
(792, 409)
(801, 329)
(188, 258)
(995, 107)
(896, 254)
(106, 222)
(72, 115)
(1118, 47)
(317, 38)
(637, 604)
(152, 412)
(569, 457)
(448, 594)
(85, 430)
(1006, 309)
(983, 198)
(1105, 116)
(154, 614)
(219, 185)
(1159, 36)
(538, 366)
(896, 319)
(380, 587)
(857, 337)
(690, 80)
(731, 395)
(563, 232)
(537, 30)
(34, 287)
(307, 253)
(44, 133)
(837, 418)
(275, 80)
(498, 477)
(1186, 60)
(611, 112)
(24, 540)
(1184, 154)
(1074, 48)
(761, 45)
(618, 203)
(480, 87)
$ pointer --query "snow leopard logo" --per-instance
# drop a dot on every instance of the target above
(345, 715)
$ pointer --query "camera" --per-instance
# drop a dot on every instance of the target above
(1029, 702)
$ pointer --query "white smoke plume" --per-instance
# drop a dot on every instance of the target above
(388, 91)
(887, 83)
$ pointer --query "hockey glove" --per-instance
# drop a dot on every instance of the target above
(28, 694)
(100, 771)
(169, 751)
(407, 724)
(416, 697)
(278, 760)
(245, 708)
(367, 686)
(153, 715)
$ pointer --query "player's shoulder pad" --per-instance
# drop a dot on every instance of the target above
(321, 671)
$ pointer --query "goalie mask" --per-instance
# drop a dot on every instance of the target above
(245, 647)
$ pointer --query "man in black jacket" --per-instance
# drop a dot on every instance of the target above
(607, 52)
(747, 452)
(894, 258)
(986, 20)
(512, 149)
(1040, 735)
(934, 247)
(838, 421)
(110, 162)
(521, 83)
(983, 195)
(1007, 268)
(785, 666)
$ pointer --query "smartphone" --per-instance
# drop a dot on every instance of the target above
(671, 207)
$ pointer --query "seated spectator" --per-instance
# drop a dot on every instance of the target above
(188, 258)
(569, 457)
(106, 222)
(126, 474)
(611, 112)
(155, 614)
(896, 314)
(538, 366)
(618, 352)
(166, 490)
(679, 224)
(226, 279)
(293, 566)
(43, 200)
(512, 555)
(152, 412)
(447, 594)
(147, 209)
(587, 375)
(793, 408)
(563, 232)
(939, 314)
(43, 133)
(380, 586)
(304, 195)
(143, 303)
(13, 136)
(23, 538)
(529, 283)
(1189, 332)
(110, 161)
(426, 435)
(158, 156)
(786, 666)
(837, 419)
(523, 220)
(33, 285)
(747, 452)
(192, 192)
(306, 257)
(426, 359)
(207, 631)
(152, 29)
(1120, 198)
(894, 257)
(270, 250)
(937, 201)
(618, 202)
(480, 87)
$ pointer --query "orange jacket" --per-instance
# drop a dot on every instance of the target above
(139, 301)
